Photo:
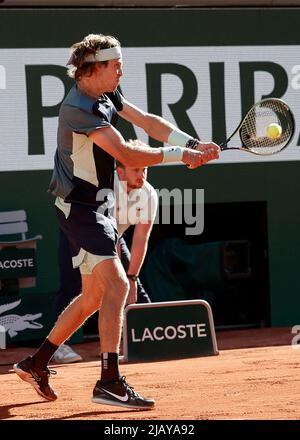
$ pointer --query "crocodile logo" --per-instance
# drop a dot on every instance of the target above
(16, 323)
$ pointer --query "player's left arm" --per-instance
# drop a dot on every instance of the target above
(155, 126)
(160, 129)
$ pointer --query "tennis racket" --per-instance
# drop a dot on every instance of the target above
(253, 128)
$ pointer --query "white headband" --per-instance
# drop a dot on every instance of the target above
(105, 54)
(111, 53)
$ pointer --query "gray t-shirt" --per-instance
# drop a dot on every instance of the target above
(81, 168)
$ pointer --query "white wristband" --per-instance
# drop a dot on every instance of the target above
(172, 154)
(178, 137)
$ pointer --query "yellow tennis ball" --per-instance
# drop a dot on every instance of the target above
(274, 131)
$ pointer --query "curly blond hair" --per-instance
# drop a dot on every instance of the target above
(89, 45)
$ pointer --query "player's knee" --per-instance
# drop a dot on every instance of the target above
(90, 304)
(119, 289)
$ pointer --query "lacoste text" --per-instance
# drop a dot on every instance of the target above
(12, 264)
(170, 332)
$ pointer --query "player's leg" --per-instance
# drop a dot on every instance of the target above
(34, 368)
(113, 281)
(77, 311)
(92, 238)
(112, 388)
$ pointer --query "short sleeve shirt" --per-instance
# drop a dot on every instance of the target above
(81, 168)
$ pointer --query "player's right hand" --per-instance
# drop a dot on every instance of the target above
(203, 153)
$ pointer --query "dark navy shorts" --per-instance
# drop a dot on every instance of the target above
(92, 235)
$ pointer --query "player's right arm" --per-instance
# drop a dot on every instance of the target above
(110, 140)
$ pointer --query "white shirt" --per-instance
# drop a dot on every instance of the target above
(139, 206)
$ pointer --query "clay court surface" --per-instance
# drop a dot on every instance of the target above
(255, 376)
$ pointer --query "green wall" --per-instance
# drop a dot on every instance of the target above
(151, 27)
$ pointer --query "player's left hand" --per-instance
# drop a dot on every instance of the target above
(202, 153)
(210, 150)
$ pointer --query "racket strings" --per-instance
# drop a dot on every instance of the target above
(253, 131)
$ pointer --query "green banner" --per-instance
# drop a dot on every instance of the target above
(17, 263)
(169, 330)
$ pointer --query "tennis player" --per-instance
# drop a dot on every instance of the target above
(88, 144)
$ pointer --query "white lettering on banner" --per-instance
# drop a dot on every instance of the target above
(198, 62)
(170, 332)
(13, 264)
(2, 78)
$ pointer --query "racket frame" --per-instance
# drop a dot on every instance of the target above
(223, 145)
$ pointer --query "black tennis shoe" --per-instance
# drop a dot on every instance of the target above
(39, 379)
(119, 393)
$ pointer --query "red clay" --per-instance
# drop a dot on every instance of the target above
(258, 382)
